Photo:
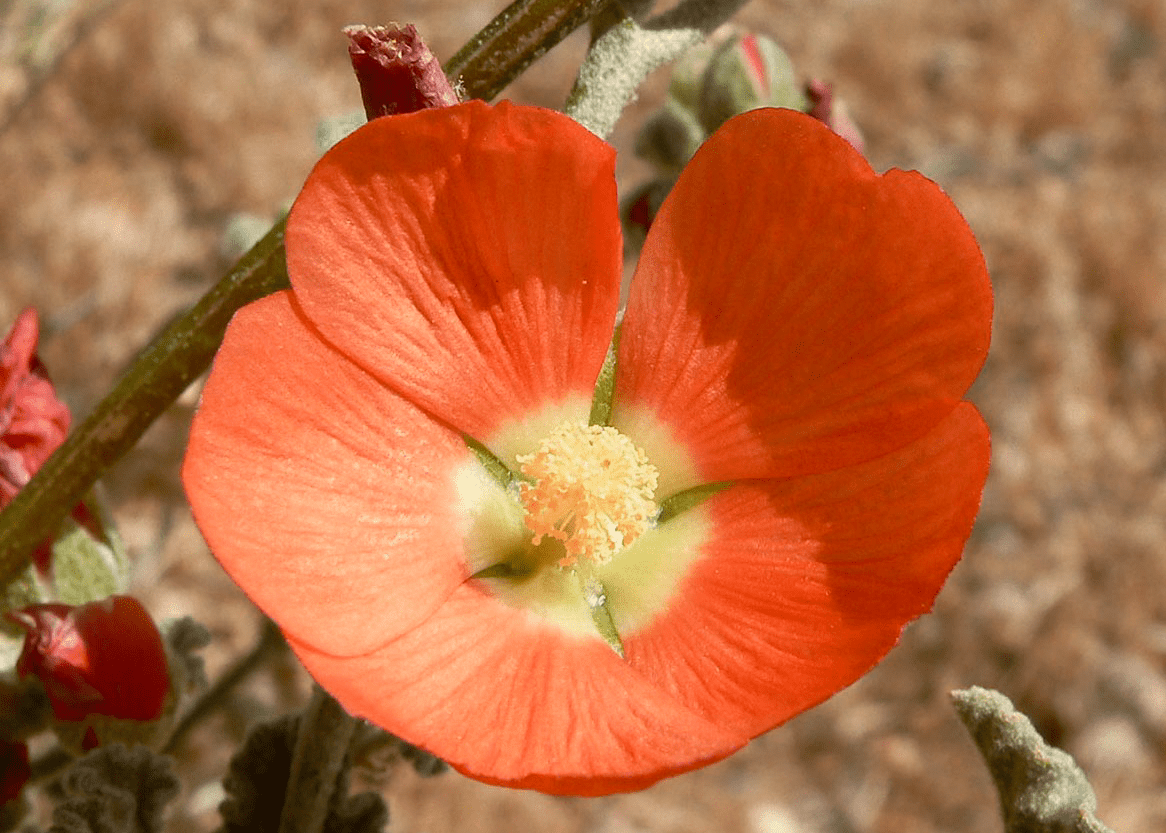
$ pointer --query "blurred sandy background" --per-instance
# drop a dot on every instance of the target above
(1045, 121)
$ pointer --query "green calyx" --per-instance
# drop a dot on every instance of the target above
(573, 537)
(605, 385)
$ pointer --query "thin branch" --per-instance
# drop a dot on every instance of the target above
(704, 15)
(270, 639)
(515, 39)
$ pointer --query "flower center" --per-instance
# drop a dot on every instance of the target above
(589, 487)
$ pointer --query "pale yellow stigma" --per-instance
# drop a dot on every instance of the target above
(589, 487)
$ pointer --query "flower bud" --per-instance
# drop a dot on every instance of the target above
(688, 75)
(831, 111)
(396, 70)
(84, 559)
(747, 72)
(102, 659)
(33, 421)
(670, 137)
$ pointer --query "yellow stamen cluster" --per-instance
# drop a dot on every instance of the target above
(589, 487)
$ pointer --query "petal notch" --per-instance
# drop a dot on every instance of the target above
(800, 313)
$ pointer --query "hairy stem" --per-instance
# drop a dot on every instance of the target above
(325, 734)
(512, 41)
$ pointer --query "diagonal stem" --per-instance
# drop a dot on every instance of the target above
(512, 41)
(270, 640)
(522, 32)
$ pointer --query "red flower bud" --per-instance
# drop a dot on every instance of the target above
(829, 109)
(396, 71)
(101, 658)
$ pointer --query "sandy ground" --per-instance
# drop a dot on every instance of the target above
(1045, 123)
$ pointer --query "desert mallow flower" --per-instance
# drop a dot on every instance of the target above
(399, 459)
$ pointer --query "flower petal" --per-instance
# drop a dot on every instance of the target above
(508, 698)
(328, 498)
(807, 583)
(469, 257)
(799, 313)
(18, 353)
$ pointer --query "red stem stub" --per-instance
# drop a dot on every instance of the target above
(397, 72)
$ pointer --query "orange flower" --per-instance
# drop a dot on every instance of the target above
(800, 330)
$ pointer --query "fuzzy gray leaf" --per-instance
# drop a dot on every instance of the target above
(1042, 790)
(115, 790)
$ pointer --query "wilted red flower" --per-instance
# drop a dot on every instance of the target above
(14, 769)
(102, 658)
(800, 331)
(397, 72)
(33, 422)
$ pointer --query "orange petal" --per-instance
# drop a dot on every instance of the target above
(508, 698)
(807, 583)
(795, 313)
(468, 256)
(328, 498)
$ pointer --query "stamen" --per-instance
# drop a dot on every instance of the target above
(589, 487)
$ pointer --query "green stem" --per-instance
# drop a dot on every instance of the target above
(495, 57)
(512, 41)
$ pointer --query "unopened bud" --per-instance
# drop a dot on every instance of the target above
(747, 72)
(33, 421)
(670, 137)
(688, 74)
(831, 111)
